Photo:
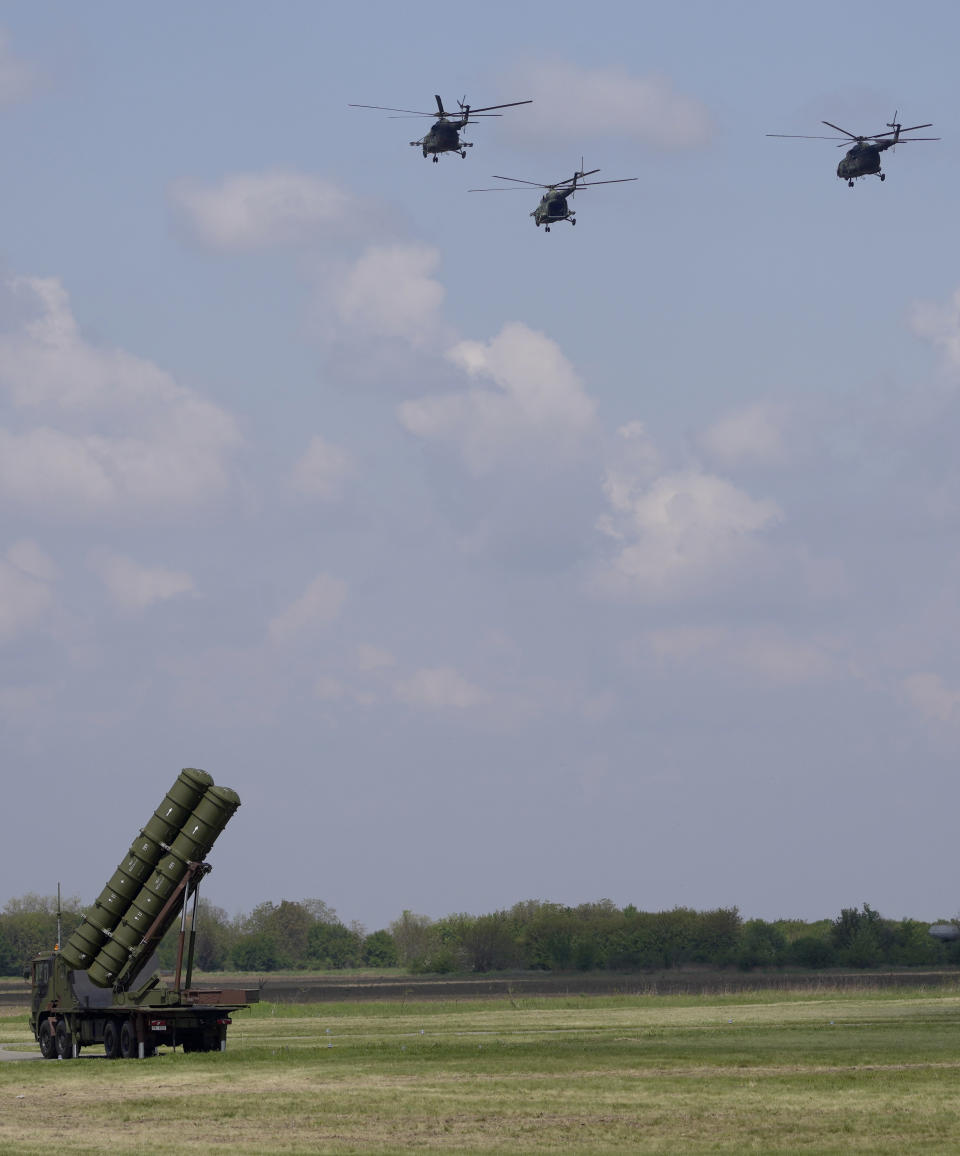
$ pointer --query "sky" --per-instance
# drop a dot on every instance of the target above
(484, 564)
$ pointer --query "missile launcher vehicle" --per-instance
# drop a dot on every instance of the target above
(92, 990)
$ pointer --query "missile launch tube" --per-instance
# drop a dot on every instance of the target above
(126, 882)
(126, 953)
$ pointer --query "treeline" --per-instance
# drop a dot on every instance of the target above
(533, 935)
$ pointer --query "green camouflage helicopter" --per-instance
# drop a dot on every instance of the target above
(553, 205)
(444, 135)
(863, 158)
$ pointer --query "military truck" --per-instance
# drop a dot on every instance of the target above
(92, 989)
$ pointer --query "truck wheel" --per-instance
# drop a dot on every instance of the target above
(64, 1041)
(111, 1040)
(48, 1044)
(128, 1041)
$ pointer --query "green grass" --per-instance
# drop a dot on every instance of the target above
(764, 1072)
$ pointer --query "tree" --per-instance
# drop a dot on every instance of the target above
(215, 937)
(488, 943)
(861, 938)
(287, 925)
(256, 952)
(29, 924)
(761, 945)
(379, 950)
(415, 939)
(333, 945)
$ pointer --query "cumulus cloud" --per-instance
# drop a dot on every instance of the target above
(572, 103)
(250, 211)
(931, 696)
(679, 532)
(939, 324)
(322, 470)
(115, 432)
(390, 291)
(317, 606)
(536, 396)
(18, 79)
(134, 586)
(751, 436)
(439, 688)
(26, 590)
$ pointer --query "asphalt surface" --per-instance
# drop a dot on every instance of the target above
(9, 1053)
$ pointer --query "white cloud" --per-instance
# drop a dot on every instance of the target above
(30, 559)
(932, 697)
(117, 431)
(318, 606)
(752, 436)
(635, 463)
(571, 103)
(681, 531)
(537, 397)
(18, 79)
(941, 325)
(439, 688)
(249, 211)
(26, 593)
(322, 470)
(390, 291)
(134, 586)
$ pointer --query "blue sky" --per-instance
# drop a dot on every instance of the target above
(484, 564)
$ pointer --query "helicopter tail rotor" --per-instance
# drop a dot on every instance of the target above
(896, 126)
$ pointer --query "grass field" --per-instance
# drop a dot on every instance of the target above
(872, 1072)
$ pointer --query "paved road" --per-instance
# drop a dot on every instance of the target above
(9, 1053)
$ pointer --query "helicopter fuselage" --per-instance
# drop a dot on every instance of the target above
(553, 207)
(443, 137)
(863, 160)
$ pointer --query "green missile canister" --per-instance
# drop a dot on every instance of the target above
(209, 817)
(212, 809)
(127, 881)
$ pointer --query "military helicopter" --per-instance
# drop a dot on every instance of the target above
(553, 205)
(863, 159)
(444, 136)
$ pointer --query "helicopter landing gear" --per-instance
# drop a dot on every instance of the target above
(546, 228)
(850, 183)
(573, 220)
(463, 153)
(435, 159)
(883, 176)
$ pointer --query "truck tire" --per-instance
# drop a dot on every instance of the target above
(64, 1041)
(111, 1040)
(128, 1041)
(48, 1043)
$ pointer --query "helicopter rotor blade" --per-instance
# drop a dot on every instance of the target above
(618, 181)
(853, 136)
(490, 107)
(520, 181)
(802, 136)
(439, 104)
(501, 190)
(385, 108)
